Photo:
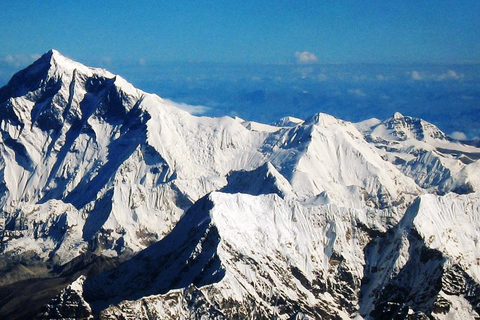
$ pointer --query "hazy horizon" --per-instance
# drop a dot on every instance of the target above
(447, 95)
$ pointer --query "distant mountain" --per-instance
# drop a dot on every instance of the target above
(117, 204)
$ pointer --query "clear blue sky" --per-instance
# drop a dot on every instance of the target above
(266, 31)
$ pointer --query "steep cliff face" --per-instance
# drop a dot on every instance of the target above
(222, 218)
(250, 255)
(428, 263)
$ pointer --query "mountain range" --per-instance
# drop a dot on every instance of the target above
(116, 204)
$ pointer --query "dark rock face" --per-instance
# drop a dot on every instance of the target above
(412, 290)
(417, 289)
(69, 304)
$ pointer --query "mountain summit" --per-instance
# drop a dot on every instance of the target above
(117, 204)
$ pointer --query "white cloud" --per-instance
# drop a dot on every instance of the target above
(357, 92)
(197, 110)
(450, 75)
(20, 60)
(9, 59)
(360, 78)
(428, 76)
(106, 60)
(416, 75)
(322, 77)
(458, 135)
(305, 57)
(305, 71)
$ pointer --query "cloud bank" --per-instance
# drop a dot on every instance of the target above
(457, 135)
(195, 110)
(20, 60)
(416, 75)
(305, 57)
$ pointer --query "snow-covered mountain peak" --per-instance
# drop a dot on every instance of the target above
(62, 65)
(330, 158)
(56, 58)
(56, 90)
(65, 68)
(323, 120)
(401, 128)
(52, 68)
(397, 116)
(263, 180)
(54, 71)
(288, 121)
(424, 153)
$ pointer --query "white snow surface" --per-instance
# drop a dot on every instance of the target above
(90, 163)
(423, 152)
(261, 240)
(451, 224)
(131, 161)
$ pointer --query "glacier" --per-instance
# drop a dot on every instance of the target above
(119, 204)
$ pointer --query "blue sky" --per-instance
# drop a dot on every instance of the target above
(343, 31)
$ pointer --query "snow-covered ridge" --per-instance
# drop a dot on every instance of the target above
(402, 128)
(422, 151)
(253, 219)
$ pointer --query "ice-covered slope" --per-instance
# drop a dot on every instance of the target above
(306, 260)
(428, 264)
(70, 135)
(329, 158)
(86, 137)
(130, 162)
(222, 217)
(424, 153)
(263, 180)
(319, 262)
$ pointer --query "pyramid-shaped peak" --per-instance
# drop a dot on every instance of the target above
(288, 121)
(324, 120)
(52, 53)
(53, 56)
(401, 127)
(262, 180)
(397, 116)
(55, 64)
(53, 71)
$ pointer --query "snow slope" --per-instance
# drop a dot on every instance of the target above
(236, 247)
(226, 218)
(428, 263)
(424, 153)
